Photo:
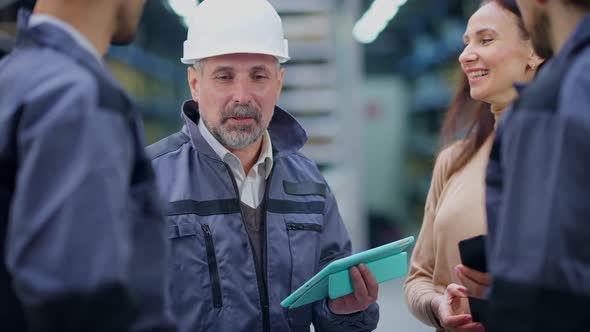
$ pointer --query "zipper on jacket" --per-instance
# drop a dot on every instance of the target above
(213, 271)
(304, 227)
(266, 313)
(262, 290)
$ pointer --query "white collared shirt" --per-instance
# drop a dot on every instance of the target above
(37, 19)
(251, 186)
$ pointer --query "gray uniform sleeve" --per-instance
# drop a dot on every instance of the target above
(67, 244)
(543, 230)
(336, 244)
(545, 193)
(150, 249)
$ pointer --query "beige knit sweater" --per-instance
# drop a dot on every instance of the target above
(455, 210)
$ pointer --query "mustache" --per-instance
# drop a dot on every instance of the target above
(240, 112)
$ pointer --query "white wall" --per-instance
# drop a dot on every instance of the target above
(385, 102)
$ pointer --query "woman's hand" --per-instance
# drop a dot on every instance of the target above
(476, 282)
(447, 308)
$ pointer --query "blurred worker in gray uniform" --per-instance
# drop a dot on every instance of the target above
(81, 233)
(538, 182)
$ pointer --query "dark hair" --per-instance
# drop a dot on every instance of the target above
(469, 118)
(579, 3)
(511, 6)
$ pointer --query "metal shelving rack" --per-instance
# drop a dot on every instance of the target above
(321, 90)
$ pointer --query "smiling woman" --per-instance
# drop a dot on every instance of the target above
(500, 47)
(497, 53)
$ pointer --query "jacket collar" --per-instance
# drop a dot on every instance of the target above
(80, 39)
(579, 38)
(49, 35)
(286, 134)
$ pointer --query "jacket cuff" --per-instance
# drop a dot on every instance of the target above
(359, 321)
(109, 308)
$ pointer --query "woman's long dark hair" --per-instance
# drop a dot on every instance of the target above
(470, 118)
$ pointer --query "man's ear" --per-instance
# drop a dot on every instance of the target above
(193, 82)
(281, 79)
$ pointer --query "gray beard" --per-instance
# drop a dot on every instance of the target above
(237, 137)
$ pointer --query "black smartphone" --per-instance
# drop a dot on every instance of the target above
(473, 253)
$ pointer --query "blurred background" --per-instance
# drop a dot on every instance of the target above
(369, 80)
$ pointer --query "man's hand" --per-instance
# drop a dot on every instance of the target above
(476, 282)
(447, 308)
(366, 290)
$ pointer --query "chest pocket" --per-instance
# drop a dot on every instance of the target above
(305, 233)
(195, 283)
(194, 271)
(304, 227)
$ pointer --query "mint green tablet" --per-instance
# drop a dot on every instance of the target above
(385, 262)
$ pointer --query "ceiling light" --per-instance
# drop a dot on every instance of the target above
(183, 8)
(375, 19)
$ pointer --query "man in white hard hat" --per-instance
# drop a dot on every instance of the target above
(249, 218)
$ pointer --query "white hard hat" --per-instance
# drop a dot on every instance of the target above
(220, 27)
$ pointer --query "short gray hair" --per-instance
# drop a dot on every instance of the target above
(199, 64)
